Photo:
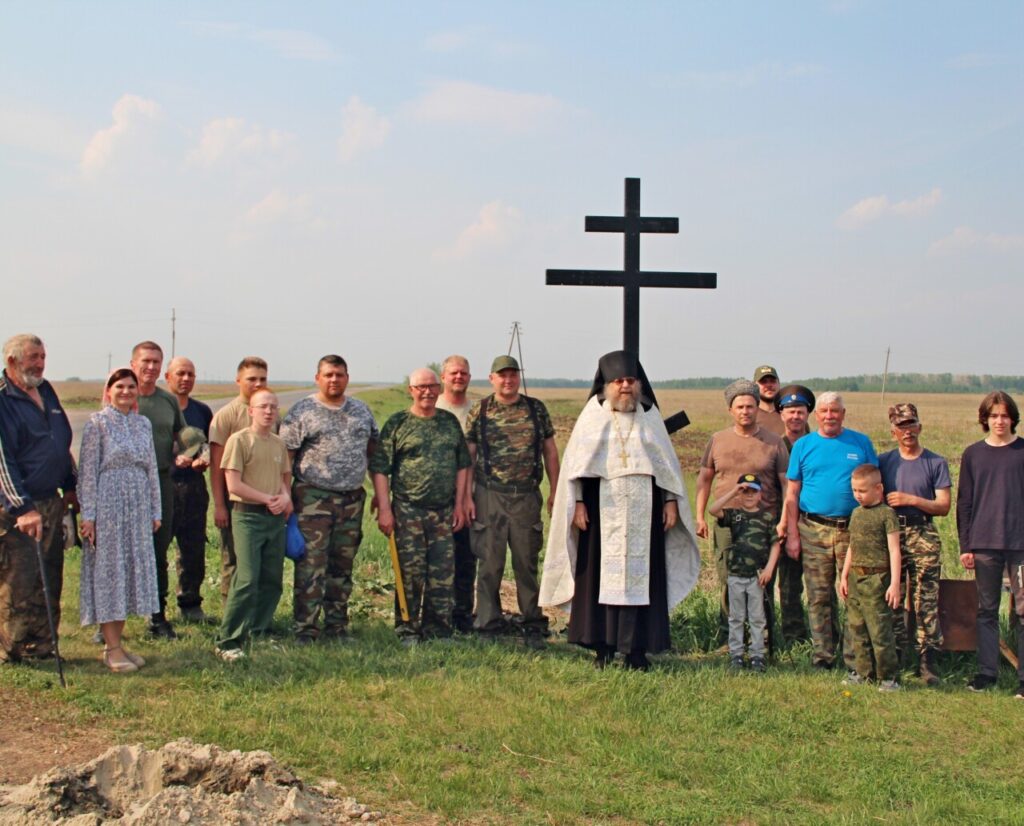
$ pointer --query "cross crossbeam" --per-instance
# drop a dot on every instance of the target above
(631, 278)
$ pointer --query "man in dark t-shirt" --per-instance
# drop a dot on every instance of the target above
(917, 486)
(191, 498)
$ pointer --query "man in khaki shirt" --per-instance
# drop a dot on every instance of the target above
(230, 419)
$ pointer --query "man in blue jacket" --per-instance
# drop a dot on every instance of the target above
(37, 482)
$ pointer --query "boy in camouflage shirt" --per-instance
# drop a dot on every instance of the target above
(870, 582)
(750, 559)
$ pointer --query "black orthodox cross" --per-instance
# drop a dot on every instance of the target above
(631, 278)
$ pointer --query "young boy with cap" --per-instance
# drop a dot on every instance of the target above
(751, 559)
(870, 582)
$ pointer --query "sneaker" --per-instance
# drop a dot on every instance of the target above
(853, 678)
(758, 664)
(1020, 692)
(230, 655)
(302, 641)
(535, 642)
(409, 641)
(889, 685)
(981, 682)
(736, 663)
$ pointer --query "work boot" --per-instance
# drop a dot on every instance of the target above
(160, 628)
(926, 669)
(194, 613)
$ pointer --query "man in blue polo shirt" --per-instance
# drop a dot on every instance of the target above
(819, 501)
(37, 481)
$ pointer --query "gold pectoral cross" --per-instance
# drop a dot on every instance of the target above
(624, 456)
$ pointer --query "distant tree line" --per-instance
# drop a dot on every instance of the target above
(866, 382)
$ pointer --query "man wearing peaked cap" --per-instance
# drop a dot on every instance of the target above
(917, 485)
(512, 443)
(767, 380)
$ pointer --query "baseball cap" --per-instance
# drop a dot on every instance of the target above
(504, 363)
(750, 480)
(903, 415)
(765, 370)
(192, 440)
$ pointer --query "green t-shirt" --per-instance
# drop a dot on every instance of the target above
(163, 412)
(753, 533)
(422, 456)
(512, 453)
(869, 530)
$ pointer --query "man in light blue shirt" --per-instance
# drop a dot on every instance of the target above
(819, 501)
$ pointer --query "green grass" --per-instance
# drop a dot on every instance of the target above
(495, 733)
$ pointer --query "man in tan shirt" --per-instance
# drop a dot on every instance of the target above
(230, 419)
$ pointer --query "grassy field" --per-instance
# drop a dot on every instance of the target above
(85, 395)
(495, 733)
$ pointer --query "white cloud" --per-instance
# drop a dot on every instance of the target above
(131, 114)
(224, 138)
(291, 43)
(966, 238)
(462, 102)
(362, 128)
(746, 77)
(495, 225)
(278, 207)
(879, 206)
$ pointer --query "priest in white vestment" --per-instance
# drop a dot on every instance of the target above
(621, 550)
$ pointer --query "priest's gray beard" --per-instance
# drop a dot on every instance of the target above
(624, 404)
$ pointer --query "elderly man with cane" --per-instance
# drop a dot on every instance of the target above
(37, 483)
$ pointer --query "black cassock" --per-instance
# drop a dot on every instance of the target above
(622, 628)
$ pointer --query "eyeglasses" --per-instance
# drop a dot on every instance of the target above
(265, 407)
(425, 388)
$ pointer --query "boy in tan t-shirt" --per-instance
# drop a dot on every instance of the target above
(258, 475)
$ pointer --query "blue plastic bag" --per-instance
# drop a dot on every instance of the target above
(295, 542)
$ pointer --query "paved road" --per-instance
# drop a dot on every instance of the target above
(78, 418)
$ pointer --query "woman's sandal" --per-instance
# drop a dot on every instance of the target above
(135, 658)
(118, 668)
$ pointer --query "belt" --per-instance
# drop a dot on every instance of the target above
(867, 570)
(353, 492)
(246, 507)
(502, 487)
(915, 520)
(830, 521)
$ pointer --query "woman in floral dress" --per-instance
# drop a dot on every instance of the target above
(120, 498)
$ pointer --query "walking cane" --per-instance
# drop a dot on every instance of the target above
(49, 611)
(399, 585)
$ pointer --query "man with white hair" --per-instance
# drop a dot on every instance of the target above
(37, 483)
(819, 501)
(419, 477)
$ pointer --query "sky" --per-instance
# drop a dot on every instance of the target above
(390, 181)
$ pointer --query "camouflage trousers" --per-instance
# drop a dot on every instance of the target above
(721, 538)
(332, 524)
(869, 625)
(426, 555)
(24, 626)
(191, 501)
(921, 552)
(790, 573)
(824, 553)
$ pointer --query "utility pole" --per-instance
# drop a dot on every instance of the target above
(173, 332)
(109, 368)
(885, 375)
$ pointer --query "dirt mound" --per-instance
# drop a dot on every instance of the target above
(180, 783)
